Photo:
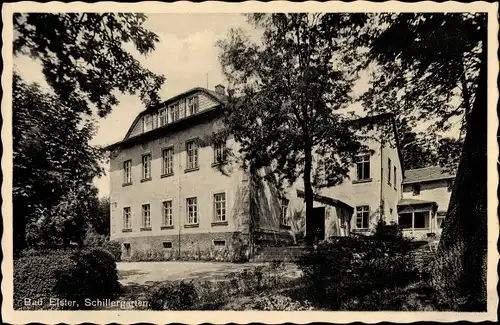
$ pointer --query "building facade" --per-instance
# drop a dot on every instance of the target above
(426, 195)
(174, 189)
(169, 191)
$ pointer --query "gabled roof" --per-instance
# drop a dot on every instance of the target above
(221, 99)
(427, 174)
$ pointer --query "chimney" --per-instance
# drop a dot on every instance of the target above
(220, 89)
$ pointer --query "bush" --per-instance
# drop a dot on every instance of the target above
(391, 232)
(114, 248)
(173, 296)
(93, 275)
(35, 275)
(336, 271)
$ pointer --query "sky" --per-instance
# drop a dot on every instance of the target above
(186, 54)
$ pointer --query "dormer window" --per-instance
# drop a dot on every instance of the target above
(416, 189)
(147, 123)
(162, 116)
(192, 105)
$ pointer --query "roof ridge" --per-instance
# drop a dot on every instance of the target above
(435, 166)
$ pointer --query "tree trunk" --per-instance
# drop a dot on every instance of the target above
(308, 193)
(466, 221)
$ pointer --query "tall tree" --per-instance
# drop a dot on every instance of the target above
(84, 59)
(85, 62)
(288, 96)
(53, 160)
(437, 57)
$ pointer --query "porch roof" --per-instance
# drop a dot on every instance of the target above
(327, 200)
(408, 202)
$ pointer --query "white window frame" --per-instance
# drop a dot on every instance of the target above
(192, 154)
(167, 213)
(363, 162)
(167, 161)
(219, 151)
(220, 207)
(127, 218)
(193, 105)
(146, 216)
(192, 211)
(127, 171)
(146, 166)
(284, 212)
(363, 211)
(147, 120)
(162, 117)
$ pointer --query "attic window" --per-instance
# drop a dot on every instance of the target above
(192, 105)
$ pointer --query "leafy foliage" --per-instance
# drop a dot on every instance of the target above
(93, 275)
(173, 296)
(54, 166)
(84, 58)
(35, 275)
(288, 95)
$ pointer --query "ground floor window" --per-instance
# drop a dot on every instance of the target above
(192, 211)
(414, 220)
(362, 216)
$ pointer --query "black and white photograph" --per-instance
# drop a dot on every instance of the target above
(279, 158)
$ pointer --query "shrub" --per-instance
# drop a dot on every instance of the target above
(35, 275)
(346, 268)
(386, 231)
(278, 302)
(93, 275)
(445, 278)
(173, 296)
(114, 248)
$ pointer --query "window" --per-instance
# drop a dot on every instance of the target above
(147, 123)
(154, 116)
(176, 111)
(126, 249)
(192, 211)
(405, 220)
(192, 154)
(171, 114)
(163, 116)
(127, 172)
(168, 161)
(415, 220)
(362, 216)
(168, 219)
(219, 151)
(146, 216)
(167, 244)
(192, 106)
(450, 185)
(389, 170)
(284, 212)
(127, 218)
(421, 220)
(219, 243)
(395, 179)
(416, 189)
(146, 167)
(363, 167)
(440, 219)
(220, 207)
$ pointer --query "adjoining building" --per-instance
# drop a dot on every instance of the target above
(426, 195)
(170, 192)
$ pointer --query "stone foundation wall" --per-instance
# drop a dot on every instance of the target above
(183, 244)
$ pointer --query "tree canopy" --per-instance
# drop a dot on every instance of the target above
(288, 96)
(84, 59)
